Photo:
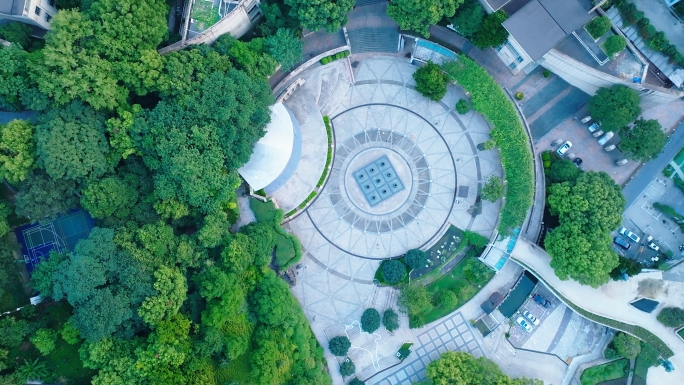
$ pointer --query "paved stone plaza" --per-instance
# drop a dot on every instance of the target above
(434, 157)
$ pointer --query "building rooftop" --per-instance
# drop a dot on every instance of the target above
(12, 7)
(496, 4)
(541, 24)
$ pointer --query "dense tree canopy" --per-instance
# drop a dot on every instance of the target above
(285, 47)
(626, 345)
(588, 210)
(419, 15)
(17, 150)
(614, 107)
(316, 14)
(491, 32)
(14, 78)
(464, 369)
(469, 17)
(643, 141)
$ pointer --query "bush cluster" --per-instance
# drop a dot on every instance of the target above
(462, 107)
(331, 58)
(671, 316)
(489, 100)
(598, 26)
(613, 45)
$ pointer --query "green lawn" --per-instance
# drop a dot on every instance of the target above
(605, 372)
(238, 371)
(288, 249)
(456, 281)
(264, 211)
(681, 332)
(648, 357)
(679, 158)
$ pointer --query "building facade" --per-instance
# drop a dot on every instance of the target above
(37, 13)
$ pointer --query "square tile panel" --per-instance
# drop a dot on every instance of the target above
(378, 180)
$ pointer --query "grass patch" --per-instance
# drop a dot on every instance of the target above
(285, 250)
(488, 99)
(204, 13)
(328, 158)
(648, 357)
(263, 211)
(638, 331)
(288, 248)
(680, 332)
(457, 282)
(605, 372)
(237, 371)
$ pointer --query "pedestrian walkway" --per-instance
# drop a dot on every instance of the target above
(678, 170)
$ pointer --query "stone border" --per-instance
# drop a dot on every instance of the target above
(278, 89)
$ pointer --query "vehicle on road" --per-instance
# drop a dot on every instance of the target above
(541, 300)
(530, 317)
(653, 246)
(577, 161)
(586, 119)
(622, 243)
(593, 127)
(630, 235)
(563, 148)
(526, 327)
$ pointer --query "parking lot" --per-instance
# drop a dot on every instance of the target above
(644, 220)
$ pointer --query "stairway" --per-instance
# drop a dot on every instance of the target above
(361, 3)
(381, 39)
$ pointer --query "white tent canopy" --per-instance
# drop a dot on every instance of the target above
(272, 152)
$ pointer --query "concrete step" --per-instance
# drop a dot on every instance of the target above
(374, 40)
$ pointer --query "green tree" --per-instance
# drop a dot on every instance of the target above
(70, 334)
(448, 299)
(15, 81)
(276, 15)
(493, 189)
(419, 15)
(491, 33)
(563, 170)
(627, 346)
(5, 211)
(44, 340)
(613, 45)
(316, 14)
(41, 197)
(370, 320)
(109, 196)
(171, 288)
(644, 141)
(614, 107)
(17, 151)
(627, 265)
(464, 369)
(71, 143)
(414, 299)
(588, 211)
(390, 319)
(393, 271)
(671, 316)
(598, 26)
(339, 346)
(16, 32)
(469, 18)
(431, 81)
(415, 259)
(286, 47)
(347, 368)
(32, 370)
(250, 57)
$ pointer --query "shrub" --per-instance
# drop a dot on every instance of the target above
(475, 271)
(448, 299)
(347, 368)
(370, 320)
(356, 381)
(610, 352)
(547, 163)
(488, 145)
(493, 189)
(415, 259)
(546, 73)
(44, 340)
(391, 320)
(431, 81)
(339, 346)
(325, 60)
(404, 352)
(70, 334)
(462, 106)
(598, 26)
(519, 95)
(393, 271)
(626, 345)
(546, 155)
(476, 239)
(659, 42)
(614, 45)
(671, 316)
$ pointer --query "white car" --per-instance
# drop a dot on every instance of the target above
(653, 246)
(530, 317)
(521, 321)
(593, 127)
(630, 235)
(563, 148)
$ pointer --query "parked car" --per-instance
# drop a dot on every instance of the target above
(630, 235)
(605, 138)
(594, 126)
(621, 162)
(653, 246)
(541, 300)
(563, 148)
(586, 119)
(530, 317)
(622, 243)
(609, 147)
(577, 161)
(597, 133)
(526, 327)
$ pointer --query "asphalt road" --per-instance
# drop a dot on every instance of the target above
(650, 169)
(6, 117)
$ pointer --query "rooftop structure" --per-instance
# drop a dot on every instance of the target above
(274, 154)
(36, 13)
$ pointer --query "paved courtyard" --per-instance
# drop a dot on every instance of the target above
(404, 168)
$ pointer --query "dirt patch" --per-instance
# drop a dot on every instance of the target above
(650, 288)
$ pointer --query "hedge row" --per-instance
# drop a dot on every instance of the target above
(334, 57)
(489, 100)
(328, 158)
(656, 39)
(637, 331)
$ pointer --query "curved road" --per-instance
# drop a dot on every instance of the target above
(610, 300)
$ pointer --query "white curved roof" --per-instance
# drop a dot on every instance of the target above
(272, 152)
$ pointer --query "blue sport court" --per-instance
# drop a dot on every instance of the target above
(60, 234)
